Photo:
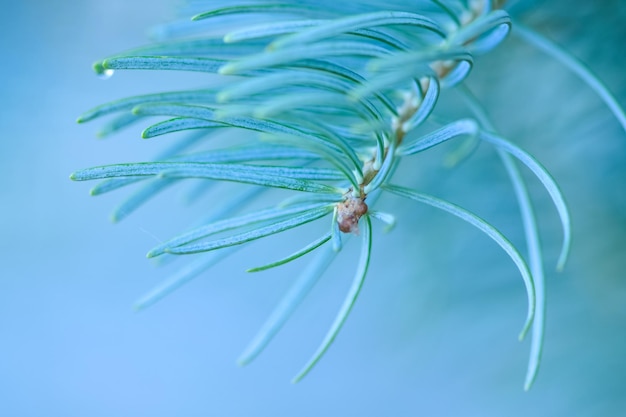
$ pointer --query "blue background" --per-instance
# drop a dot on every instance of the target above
(434, 331)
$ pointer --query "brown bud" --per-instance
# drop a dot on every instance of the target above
(349, 212)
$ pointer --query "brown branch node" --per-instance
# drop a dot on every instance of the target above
(349, 211)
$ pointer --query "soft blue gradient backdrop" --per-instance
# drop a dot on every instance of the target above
(434, 332)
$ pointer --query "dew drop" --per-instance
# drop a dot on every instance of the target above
(106, 74)
(102, 72)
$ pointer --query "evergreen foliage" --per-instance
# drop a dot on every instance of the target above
(326, 99)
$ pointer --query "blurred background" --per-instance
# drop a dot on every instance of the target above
(435, 329)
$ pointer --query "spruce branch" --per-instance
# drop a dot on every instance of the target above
(326, 100)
